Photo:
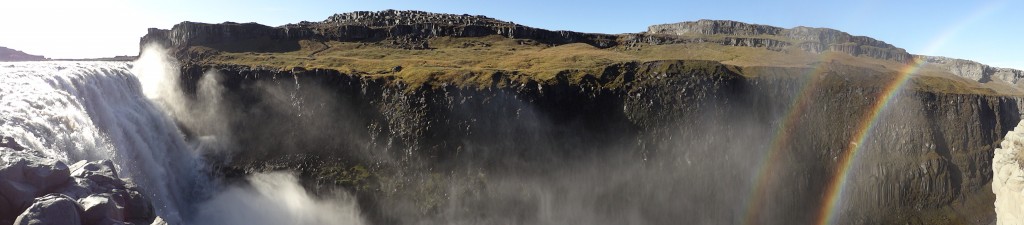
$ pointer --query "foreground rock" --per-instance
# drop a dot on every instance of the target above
(1008, 181)
(51, 209)
(39, 190)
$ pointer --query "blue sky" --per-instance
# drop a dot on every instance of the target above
(986, 31)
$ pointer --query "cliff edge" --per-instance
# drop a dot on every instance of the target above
(422, 48)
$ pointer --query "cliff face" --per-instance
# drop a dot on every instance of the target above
(974, 70)
(816, 40)
(619, 140)
(931, 156)
(401, 29)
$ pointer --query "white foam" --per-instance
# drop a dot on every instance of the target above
(95, 110)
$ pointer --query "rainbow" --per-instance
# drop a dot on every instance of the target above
(781, 140)
(838, 184)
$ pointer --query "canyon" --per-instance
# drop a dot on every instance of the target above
(437, 113)
(412, 117)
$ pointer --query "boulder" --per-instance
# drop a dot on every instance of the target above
(19, 195)
(80, 188)
(102, 172)
(47, 176)
(159, 221)
(55, 209)
(39, 173)
(7, 211)
(8, 142)
(40, 190)
(137, 206)
(101, 208)
(13, 169)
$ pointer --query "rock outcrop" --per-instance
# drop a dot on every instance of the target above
(402, 29)
(816, 40)
(7, 54)
(52, 209)
(974, 70)
(1008, 180)
(38, 190)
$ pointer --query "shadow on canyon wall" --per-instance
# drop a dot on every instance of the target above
(683, 141)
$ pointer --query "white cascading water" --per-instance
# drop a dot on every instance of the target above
(1008, 178)
(74, 111)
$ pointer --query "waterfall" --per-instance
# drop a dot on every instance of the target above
(71, 111)
(74, 111)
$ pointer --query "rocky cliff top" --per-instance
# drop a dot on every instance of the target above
(7, 54)
(974, 70)
(810, 39)
(427, 46)
(389, 18)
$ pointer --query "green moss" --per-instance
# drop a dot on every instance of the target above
(357, 177)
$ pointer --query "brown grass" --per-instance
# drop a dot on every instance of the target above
(471, 61)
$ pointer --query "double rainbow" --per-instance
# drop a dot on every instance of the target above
(836, 187)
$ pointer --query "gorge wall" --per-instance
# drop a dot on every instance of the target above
(426, 148)
(651, 142)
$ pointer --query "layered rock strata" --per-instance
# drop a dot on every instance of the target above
(816, 40)
(975, 70)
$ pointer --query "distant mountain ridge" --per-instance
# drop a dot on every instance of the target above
(7, 54)
(818, 40)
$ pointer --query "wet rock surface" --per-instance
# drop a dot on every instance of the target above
(665, 116)
(38, 190)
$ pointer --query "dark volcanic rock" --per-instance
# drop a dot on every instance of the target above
(638, 106)
(52, 209)
(47, 191)
(402, 29)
